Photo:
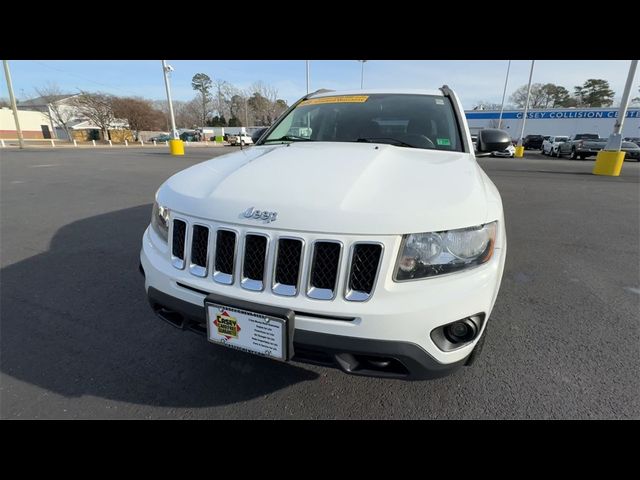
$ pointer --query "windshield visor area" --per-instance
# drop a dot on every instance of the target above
(404, 120)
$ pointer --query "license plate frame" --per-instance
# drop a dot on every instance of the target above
(250, 327)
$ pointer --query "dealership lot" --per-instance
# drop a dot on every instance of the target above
(78, 339)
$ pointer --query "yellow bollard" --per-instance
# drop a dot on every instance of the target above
(608, 163)
(176, 147)
(519, 152)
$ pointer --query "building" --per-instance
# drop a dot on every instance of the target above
(562, 121)
(65, 107)
(34, 125)
(79, 126)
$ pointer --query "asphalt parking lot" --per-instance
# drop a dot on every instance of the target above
(78, 339)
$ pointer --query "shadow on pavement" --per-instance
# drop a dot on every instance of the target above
(75, 321)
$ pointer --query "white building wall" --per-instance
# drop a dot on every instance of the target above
(30, 123)
(556, 121)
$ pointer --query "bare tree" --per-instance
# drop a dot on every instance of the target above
(97, 107)
(139, 113)
(188, 114)
(201, 82)
(56, 112)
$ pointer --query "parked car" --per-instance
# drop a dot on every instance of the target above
(551, 145)
(581, 145)
(632, 151)
(190, 136)
(160, 138)
(510, 151)
(295, 249)
(635, 140)
(532, 142)
(474, 141)
(240, 139)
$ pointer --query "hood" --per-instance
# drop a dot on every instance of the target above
(329, 187)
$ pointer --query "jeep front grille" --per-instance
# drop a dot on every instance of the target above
(224, 254)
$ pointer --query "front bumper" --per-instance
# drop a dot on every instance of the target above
(396, 322)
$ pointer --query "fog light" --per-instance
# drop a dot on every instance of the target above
(462, 331)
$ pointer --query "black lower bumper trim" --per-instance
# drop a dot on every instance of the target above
(358, 356)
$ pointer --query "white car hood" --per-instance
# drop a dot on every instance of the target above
(329, 187)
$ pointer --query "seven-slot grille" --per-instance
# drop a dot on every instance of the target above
(253, 252)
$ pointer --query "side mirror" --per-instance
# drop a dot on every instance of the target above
(492, 140)
(255, 136)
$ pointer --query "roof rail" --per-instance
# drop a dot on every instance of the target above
(321, 90)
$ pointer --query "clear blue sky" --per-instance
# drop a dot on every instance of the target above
(473, 80)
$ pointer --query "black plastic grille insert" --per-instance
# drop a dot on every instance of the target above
(177, 243)
(199, 245)
(326, 258)
(288, 266)
(255, 248)
(225, 248)
(364, 266)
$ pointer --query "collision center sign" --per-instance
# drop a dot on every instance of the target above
(567, 114)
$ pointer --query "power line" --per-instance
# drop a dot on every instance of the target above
(128, 92)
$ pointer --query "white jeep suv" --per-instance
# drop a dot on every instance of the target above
(359, 232)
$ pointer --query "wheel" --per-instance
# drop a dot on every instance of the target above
(558, 153)
(582, 157)
(574, 155)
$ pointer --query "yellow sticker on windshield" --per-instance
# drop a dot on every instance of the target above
(340, 99)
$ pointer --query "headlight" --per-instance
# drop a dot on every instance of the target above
(427, 254)
(160, 221)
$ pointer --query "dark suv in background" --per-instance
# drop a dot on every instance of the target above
(533, 142)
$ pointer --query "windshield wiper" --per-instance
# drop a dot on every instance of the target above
(397, 142)
(292, 138)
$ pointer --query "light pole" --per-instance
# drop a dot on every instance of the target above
(610, 159)
(506, 79)
(362, 74)
(307, 62)
(176, 147)
(520, 149)
(12, 98)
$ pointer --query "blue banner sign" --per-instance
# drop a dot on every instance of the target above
(568, 114)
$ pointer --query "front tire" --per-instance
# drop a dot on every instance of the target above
(574, 155)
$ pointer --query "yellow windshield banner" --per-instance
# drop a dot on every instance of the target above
(340, 99)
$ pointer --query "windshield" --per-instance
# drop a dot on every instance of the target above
(561, 139)
(417, 121)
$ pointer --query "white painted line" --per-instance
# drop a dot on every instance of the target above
(45, 165)
(633, 289)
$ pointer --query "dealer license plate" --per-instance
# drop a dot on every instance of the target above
(248, 331)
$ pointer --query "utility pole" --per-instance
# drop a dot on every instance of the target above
(176, 147)
(307, 62)
(165, 71)
(12, 98)
(503, 94)
(520, 149)
(362, 74)
(610, 159)
(246, 111)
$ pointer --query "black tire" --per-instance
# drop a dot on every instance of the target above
(582, 157)
(574, 155)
